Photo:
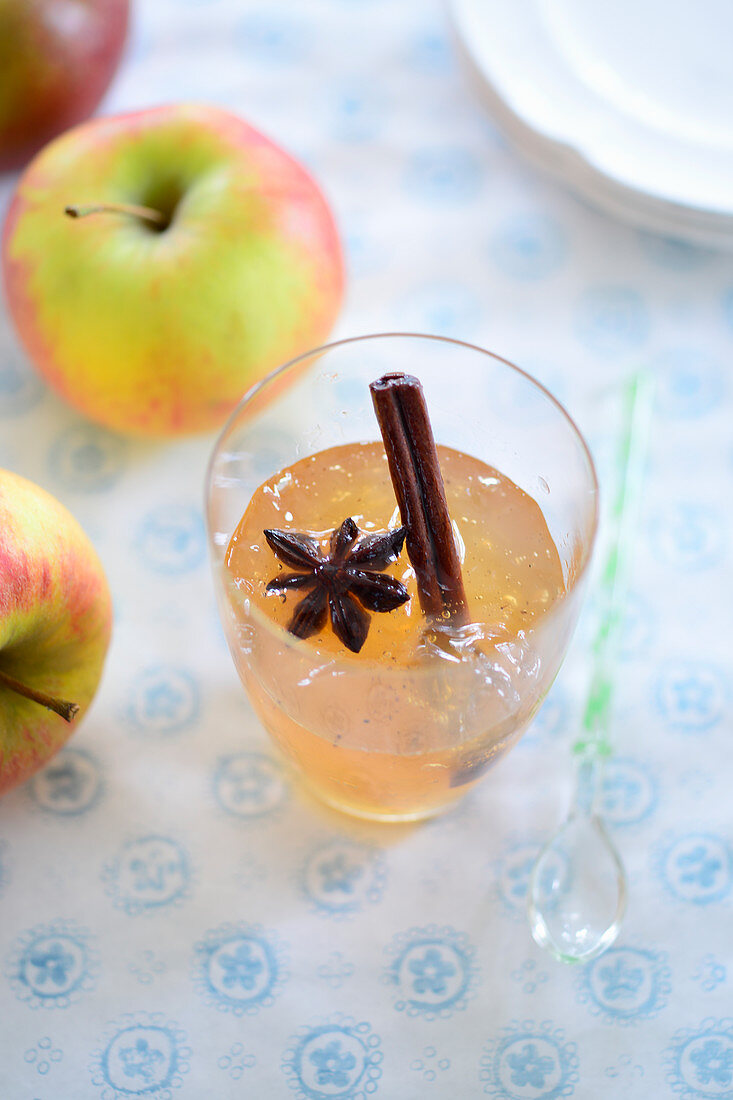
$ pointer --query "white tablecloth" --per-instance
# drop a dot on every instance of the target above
(175, 918)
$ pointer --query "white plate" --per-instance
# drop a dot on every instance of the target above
(630, 101)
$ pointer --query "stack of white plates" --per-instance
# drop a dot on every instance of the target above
(630, 101)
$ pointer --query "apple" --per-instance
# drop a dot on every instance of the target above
(57, 58)
(199, 257)
(55, 623)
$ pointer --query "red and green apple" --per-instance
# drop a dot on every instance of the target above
(57, 58)
(200, 257)
(55, 624)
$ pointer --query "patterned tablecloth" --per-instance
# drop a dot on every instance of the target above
(175, 918)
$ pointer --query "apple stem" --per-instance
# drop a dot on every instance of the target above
(147, 213)
(67, 711)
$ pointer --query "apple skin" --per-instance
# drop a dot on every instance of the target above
(57, 58)
(55, 623)
(161, 332)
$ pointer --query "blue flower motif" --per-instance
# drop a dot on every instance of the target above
(141, 1060)
(696, 868)
(332, 1064)
(143, 1054)
(529, 246)
(336, 1057)
(70, 785)
(52, 965)
(87, 459)
(444, 308)
(171, 539)
(691, 695)
(270, 39)
(430, 53)
(163, 700)
(249, 786)
(621, 980)
(338, 873)
(431, 971)
(628, 792)
(612, 320)
(691, 384)
(529, 1067)
(148, 873)
(699, 866)
(689, 536)
(529, 1060)
(241, 968)
(340, 877)
(700, 1061)
(444, 175)
(714, 1062)
(513, 873)
(625, 985)
(358, 112)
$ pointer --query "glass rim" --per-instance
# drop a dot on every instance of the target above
(260, 384)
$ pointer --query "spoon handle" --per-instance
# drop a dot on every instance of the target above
(594, 745)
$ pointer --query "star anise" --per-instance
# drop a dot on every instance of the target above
(343, 583)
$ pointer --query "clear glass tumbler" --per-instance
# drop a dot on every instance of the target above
(379, 741)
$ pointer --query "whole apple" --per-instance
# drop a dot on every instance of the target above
(213, 259)
(55, 623)
(57, 58)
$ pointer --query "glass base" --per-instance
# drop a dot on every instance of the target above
(386, 816)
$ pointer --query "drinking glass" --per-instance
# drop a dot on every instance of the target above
(403, 742)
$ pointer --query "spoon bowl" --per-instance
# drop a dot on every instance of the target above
(577, 891)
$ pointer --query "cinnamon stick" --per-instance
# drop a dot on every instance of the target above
(399, 404)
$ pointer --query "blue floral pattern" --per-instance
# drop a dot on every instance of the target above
(629, 793)
(691, 696)
(625, 985)
(70, 785)
(170, 540)
(529, 1062)
(163, 700)
(239, 968)
(142, 1054)
(689, 536)
(700, 1061)
(148, 873)
(87, 459)
(612, 320)
(340, 878)
(164, 856)
(696, 868)
(335, 1058)
(249, 786)
(53, 965)
(513, 871)
(529, 246)
(432, 971)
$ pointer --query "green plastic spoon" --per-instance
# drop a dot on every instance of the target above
(577, 890)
